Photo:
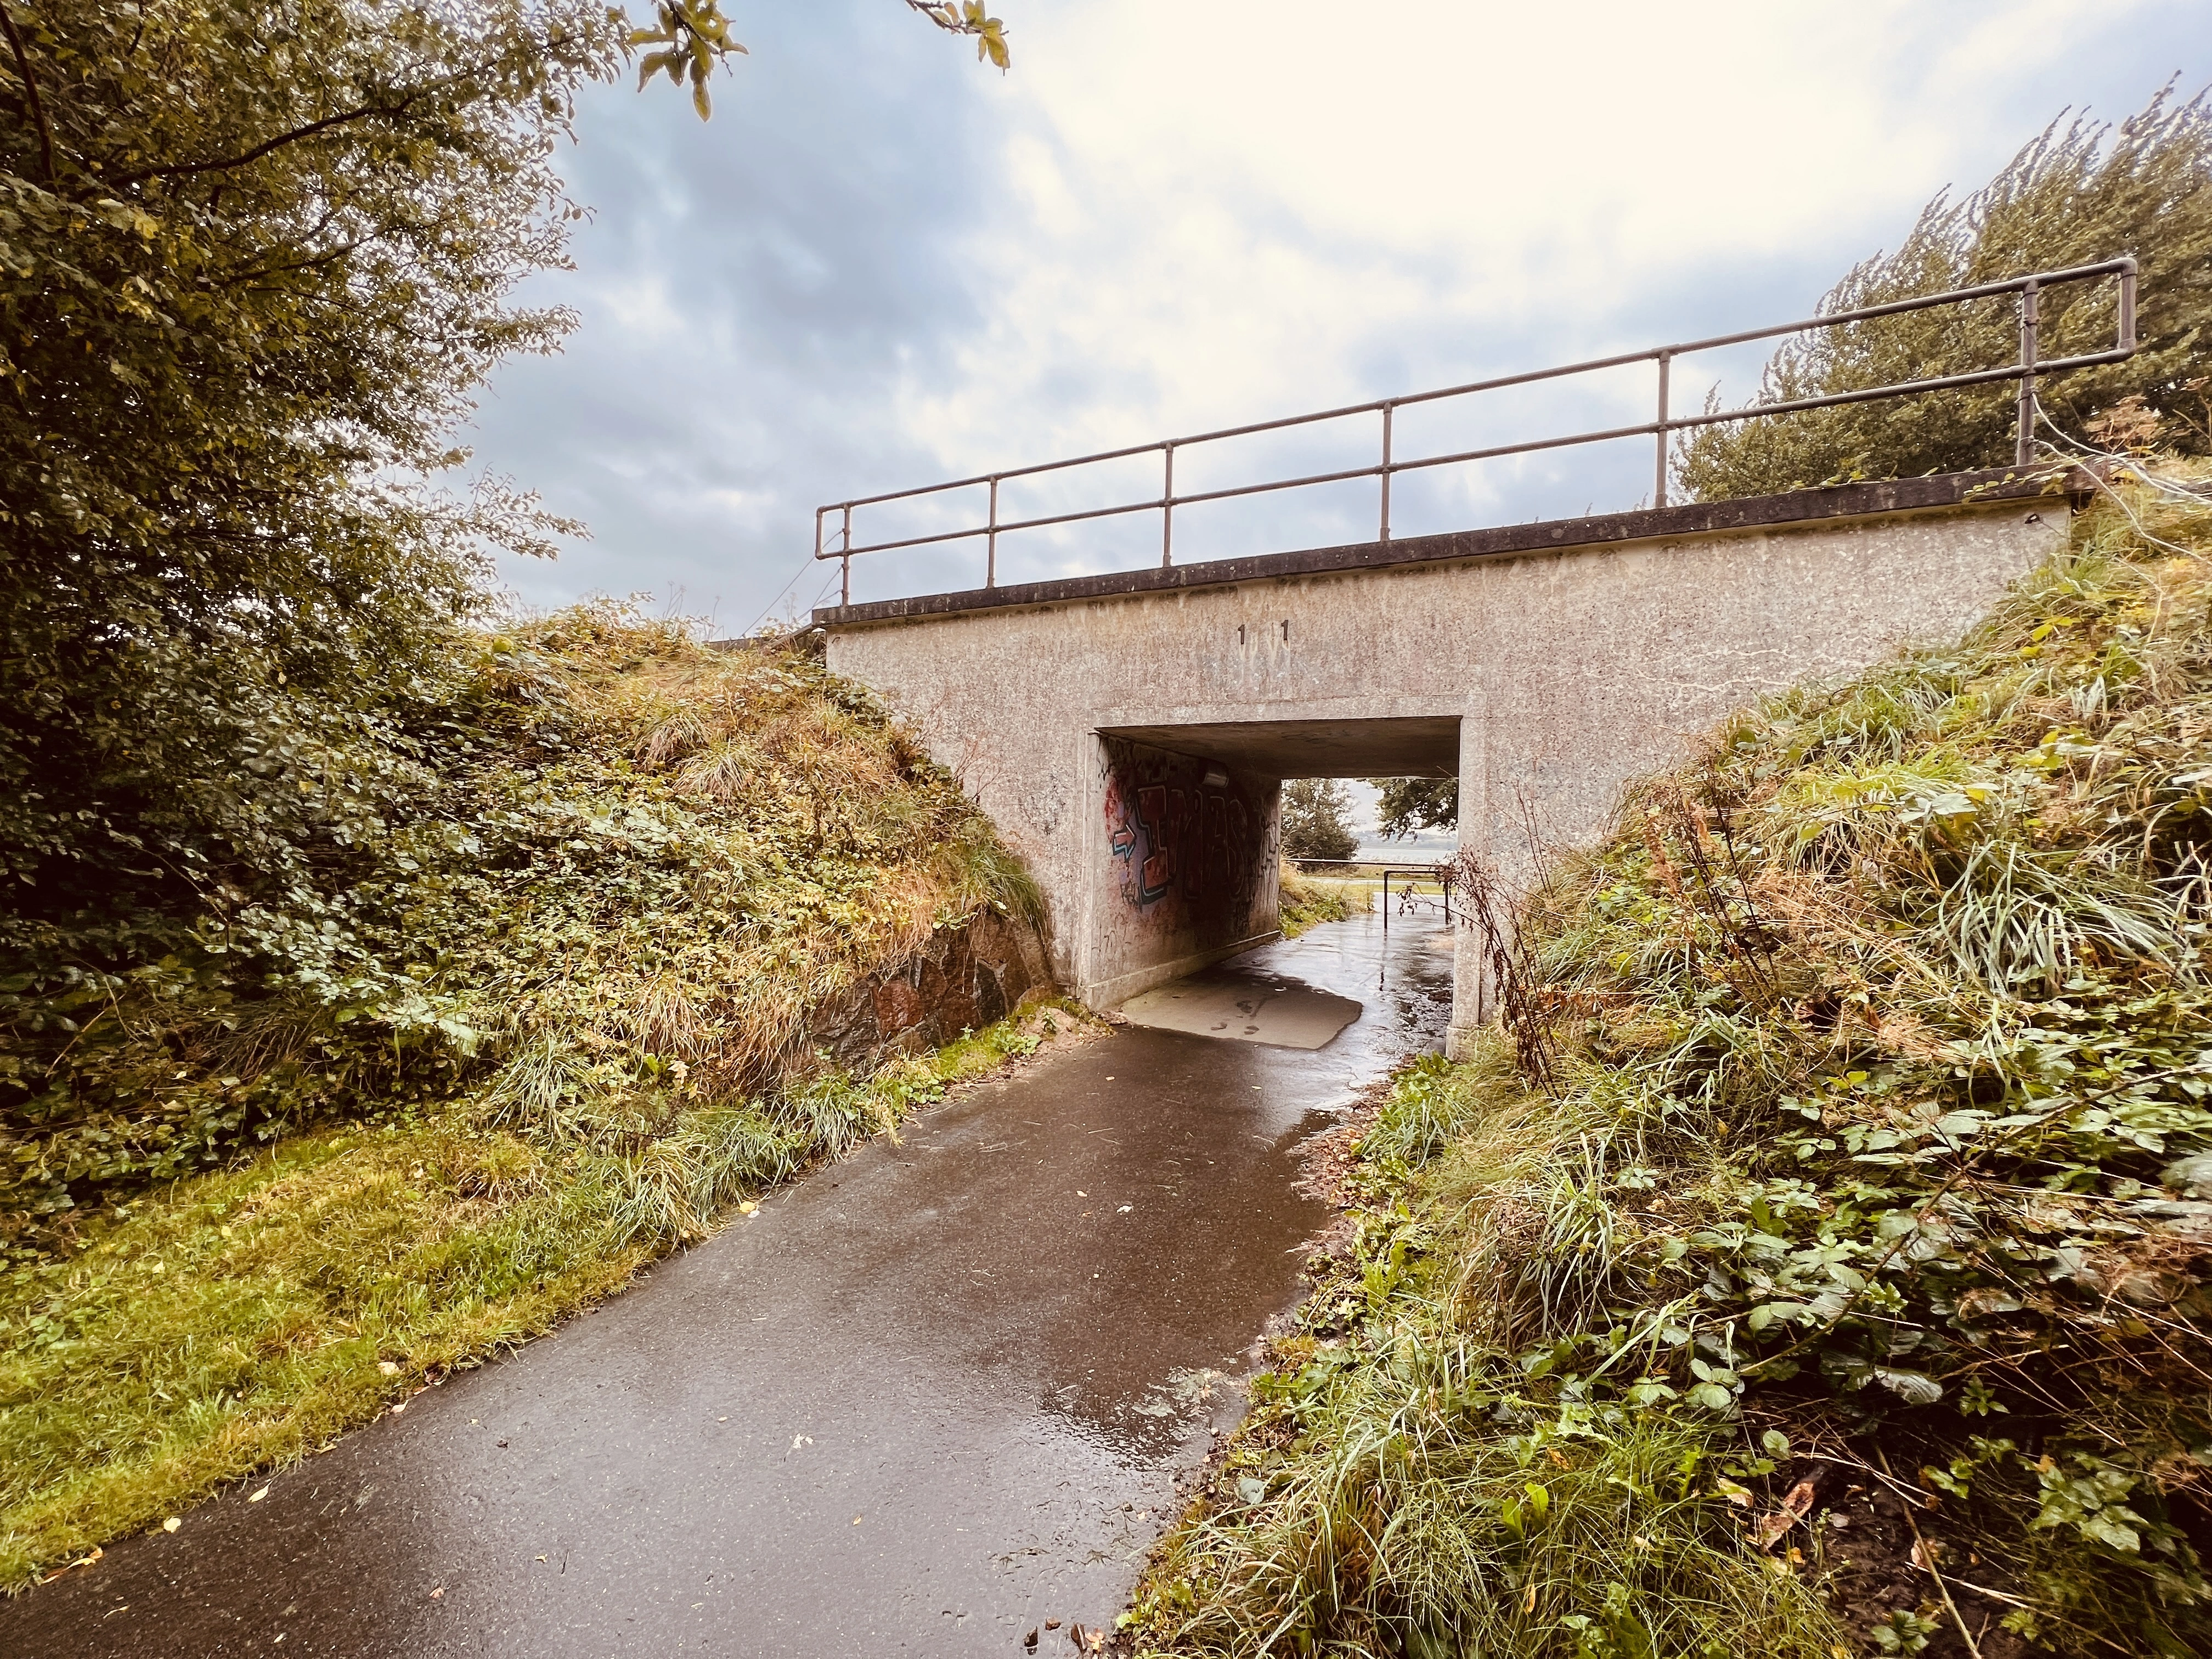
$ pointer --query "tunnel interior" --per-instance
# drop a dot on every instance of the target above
(1188, 869)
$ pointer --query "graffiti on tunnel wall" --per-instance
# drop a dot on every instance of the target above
(1192, 847)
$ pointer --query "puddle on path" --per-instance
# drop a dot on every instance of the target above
(924, 1402)
(1243, 1006)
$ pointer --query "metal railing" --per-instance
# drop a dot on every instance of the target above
(1409, 899)
(2025, 370)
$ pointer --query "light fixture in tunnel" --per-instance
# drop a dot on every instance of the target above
(1215, 778)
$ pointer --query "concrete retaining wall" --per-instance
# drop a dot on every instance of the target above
(964, 978)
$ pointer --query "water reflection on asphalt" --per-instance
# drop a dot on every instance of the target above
(924, 1402)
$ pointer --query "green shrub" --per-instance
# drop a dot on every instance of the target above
(627, 867)
(2079, 195)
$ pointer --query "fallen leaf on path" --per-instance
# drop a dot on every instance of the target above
(439, 1594)
(257, 1497)
(1769, 1529)
(82, 1561)
(172, 1524)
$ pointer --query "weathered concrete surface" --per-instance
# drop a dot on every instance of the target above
(927, 1399)
(1551, 677)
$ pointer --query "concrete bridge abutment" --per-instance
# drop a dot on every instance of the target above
(1129, 733)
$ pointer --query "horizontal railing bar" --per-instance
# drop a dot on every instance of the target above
(1890, 308)
(1923, 302)
(1920, 303)
(1394, 865)
(1755, 411)
(1005, 525)
(1906, 388)
(1648, 428)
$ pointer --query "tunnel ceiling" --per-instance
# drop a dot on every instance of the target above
(1426, 746)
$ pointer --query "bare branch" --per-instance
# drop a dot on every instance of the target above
(329, 123)
(30, 90)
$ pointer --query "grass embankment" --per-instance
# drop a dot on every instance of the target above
(1833, 1209)
(1307, 901)
(247, 1213)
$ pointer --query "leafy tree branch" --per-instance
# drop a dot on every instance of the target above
(30, 88)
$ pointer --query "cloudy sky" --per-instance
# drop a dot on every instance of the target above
(882, 265)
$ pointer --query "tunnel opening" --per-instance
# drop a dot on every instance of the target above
(1189, 870)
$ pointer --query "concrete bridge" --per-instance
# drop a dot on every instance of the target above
(1129, 733)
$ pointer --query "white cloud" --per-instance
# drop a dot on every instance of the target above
(1166, 219)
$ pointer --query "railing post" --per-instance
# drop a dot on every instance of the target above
(1659, 483)
(1388, 410)
(2127, 340)
(845, 564)
(1167, 509)
(2024, 442)
(991, 555)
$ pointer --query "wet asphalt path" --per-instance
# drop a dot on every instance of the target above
(924, 1402)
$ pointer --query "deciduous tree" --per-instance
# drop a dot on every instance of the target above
(1314, 820)
(255, 256)
(2083, 192)
(1411, 804)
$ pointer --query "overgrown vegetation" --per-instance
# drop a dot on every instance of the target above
(2083, 193)
(241, 1319)
(1817, 1260)
(255, 256)
(558, 1026)
(1307, 901)
(614, 873)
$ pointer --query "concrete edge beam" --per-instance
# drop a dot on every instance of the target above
(1826, 504)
